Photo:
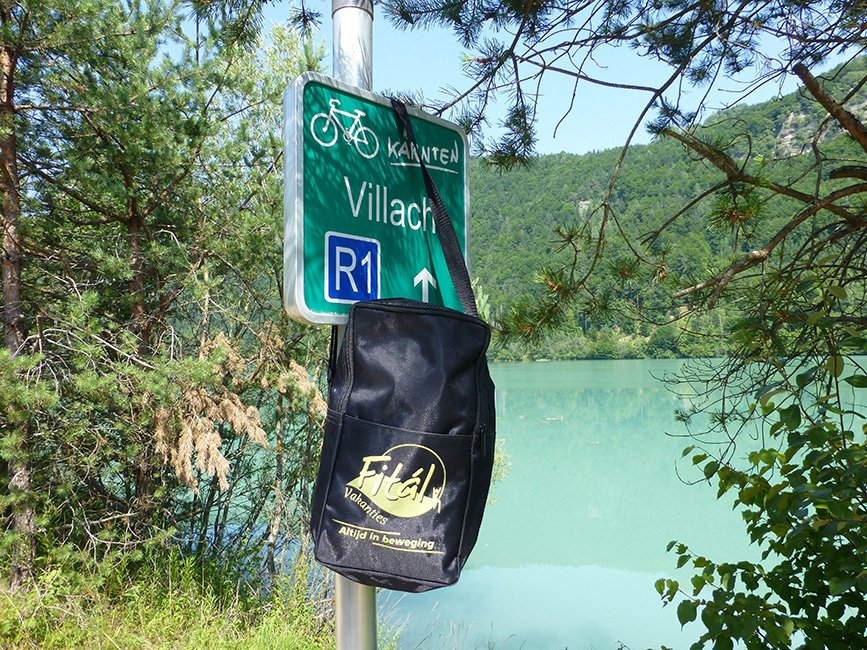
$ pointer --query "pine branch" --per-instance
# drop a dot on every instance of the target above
(736, 174)
(846, 119)
(72, 193)
(755, 257)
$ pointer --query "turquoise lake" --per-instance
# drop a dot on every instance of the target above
(570, 550)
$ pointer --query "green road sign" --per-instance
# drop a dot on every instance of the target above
(357, 221)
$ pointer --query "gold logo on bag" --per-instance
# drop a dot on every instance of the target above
(405, 481)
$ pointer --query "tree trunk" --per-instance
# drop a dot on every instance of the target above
(138, 315)
(277, 513)
(144, 468)
(19, 472)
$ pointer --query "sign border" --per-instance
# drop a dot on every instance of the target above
(293, 190)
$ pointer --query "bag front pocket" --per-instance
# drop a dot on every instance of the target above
(395, 506)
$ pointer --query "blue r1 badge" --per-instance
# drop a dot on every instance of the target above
(351, 268)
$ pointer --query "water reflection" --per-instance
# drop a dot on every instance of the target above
(569, 552)
(540, 607)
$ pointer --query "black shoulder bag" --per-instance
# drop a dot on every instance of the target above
(409, 436)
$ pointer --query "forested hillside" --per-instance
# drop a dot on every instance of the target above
(515, 216)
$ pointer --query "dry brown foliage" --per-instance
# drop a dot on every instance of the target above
(187, 432)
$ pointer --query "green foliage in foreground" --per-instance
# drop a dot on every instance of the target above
(803, 503)
(800, 484)
(161, 599)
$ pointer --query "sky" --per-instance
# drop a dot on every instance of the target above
(601, 118)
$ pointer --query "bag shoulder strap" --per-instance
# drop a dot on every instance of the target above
(445, 230)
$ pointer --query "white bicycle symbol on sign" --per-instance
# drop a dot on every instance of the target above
(325, 127)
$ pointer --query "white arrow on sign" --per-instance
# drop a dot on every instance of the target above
(426, 280)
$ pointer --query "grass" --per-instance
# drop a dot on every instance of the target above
(165, 601)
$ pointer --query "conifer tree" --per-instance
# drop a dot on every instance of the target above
(151, 355)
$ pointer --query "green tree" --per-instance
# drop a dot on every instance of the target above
(26, 36)
(178, 400)
(663, 342)
(792, 225)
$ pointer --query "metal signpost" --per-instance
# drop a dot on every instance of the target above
(357, 221)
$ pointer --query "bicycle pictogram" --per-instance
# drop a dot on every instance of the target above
(325, 127)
